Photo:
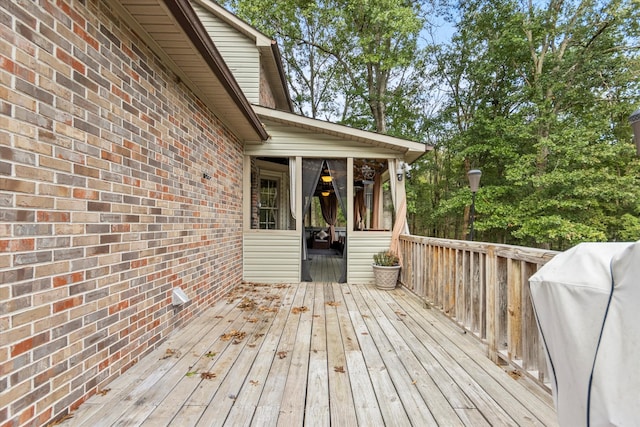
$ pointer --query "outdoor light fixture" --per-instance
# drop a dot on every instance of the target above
(634, 119)
(325, 193)
(326, 178)
(400, 172)
(474, 182)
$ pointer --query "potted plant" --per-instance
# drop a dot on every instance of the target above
(386, 268)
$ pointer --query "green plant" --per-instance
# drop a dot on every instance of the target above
(386, 259)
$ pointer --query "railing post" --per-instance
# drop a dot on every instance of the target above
(514, 308)
(491, 301)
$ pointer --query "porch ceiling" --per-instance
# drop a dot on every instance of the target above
(173, 31)
(410, 149)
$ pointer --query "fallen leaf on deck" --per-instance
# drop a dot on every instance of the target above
(316, 315)
(414, 382)
(190, 373)
(207, 375)
(104, 391)
(333, 303)
(339, 369)
(252, 319)
(210, 354)
(516, 375)
(399, 313)
(364, 333)
(298, 310)
(247, 304)
(61, 420)
(254, 383)
(282, 354)
(218, 317)
(238, 335)
(170, 353)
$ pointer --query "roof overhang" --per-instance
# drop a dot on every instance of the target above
(410, 150)
(173, 31)
(268, 48)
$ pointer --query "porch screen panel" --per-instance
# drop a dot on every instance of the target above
(311, 170)
(338, 170)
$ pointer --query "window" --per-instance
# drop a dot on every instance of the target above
(269, 204)
(270, 186)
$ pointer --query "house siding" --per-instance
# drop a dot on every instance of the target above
(239, 52)
(103, 205)
(272, 256)
(361, 247)
(286, 141)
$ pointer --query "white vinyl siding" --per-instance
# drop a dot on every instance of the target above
(288, 141)
(238, 51)
(360, 249)
(272, 256)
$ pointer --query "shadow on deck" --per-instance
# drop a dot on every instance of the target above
(318, 354)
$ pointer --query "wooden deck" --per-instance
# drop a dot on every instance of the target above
(318, 354)
(325, 266)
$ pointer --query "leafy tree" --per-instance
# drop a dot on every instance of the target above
(539, 95)
(534, 93)
(353, 61)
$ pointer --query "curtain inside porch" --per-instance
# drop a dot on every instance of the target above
(329, 206)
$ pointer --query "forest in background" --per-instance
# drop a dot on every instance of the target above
(536, 94)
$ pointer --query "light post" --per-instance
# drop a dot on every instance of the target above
(474, 182)
(634, 119)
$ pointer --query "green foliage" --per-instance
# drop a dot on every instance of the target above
(535, 94)
(386, 259)
(352, 61)
(538, 99)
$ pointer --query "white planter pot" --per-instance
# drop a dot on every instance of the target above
(386, 277)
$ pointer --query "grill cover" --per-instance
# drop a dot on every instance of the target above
(587, 304)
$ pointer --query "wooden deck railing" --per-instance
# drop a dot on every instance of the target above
(485, 289)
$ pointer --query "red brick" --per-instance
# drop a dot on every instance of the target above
(50, 216)
(79, 193)
(86, 37)
(118, 307)
(67, 304)
(18, 245)
(26, 415)
(28, 344)
(69, 60)
(66, 279)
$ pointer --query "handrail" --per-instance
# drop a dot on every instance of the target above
(483, 287)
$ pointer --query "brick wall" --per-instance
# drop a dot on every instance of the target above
(103, 204)
(266, 94)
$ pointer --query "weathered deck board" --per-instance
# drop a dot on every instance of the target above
(355, 356)
(325, 267)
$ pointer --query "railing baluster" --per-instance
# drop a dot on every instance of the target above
(485, 288)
